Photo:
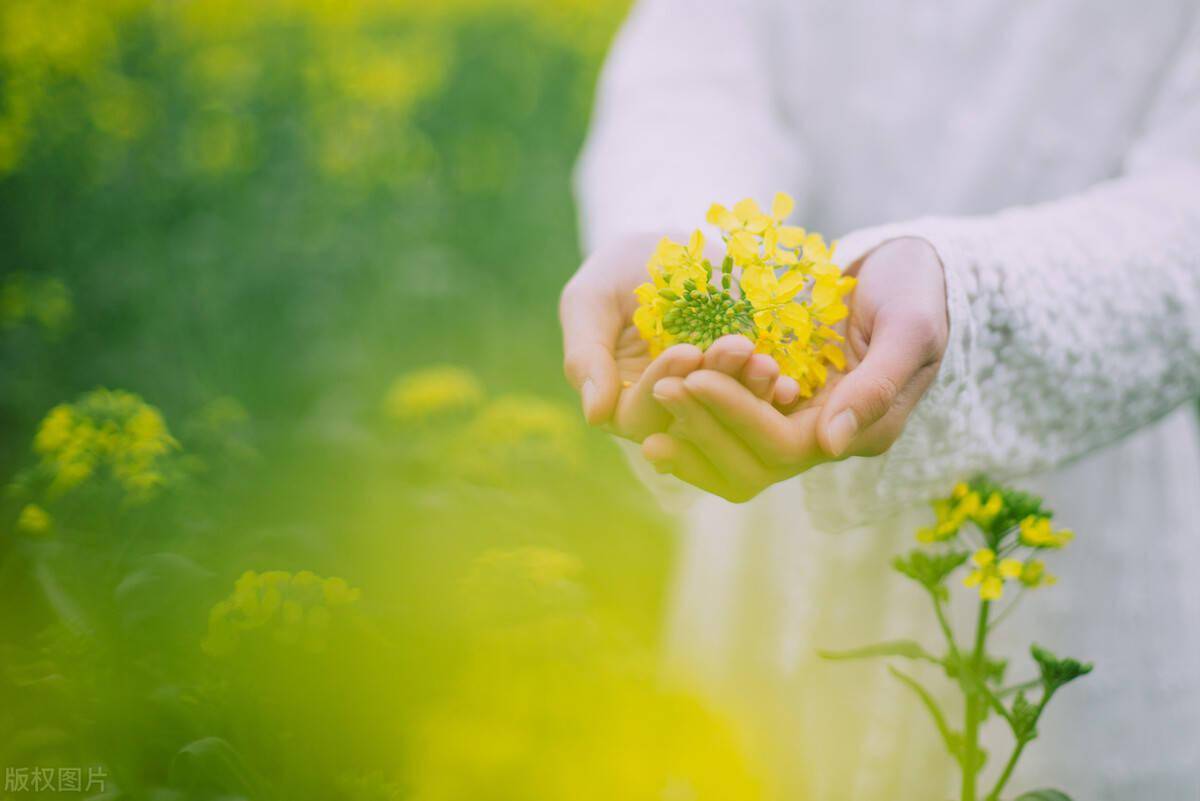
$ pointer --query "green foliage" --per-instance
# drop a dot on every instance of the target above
(992, 670)
(907, 649)
(953, 739)
(256, 217)
(1010, 522)
(1058, 672)
(1043, 795)
(930, 569)
(1017, 505)
(1024, 717)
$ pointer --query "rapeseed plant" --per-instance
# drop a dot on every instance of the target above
(787, 294)
(1008, 530)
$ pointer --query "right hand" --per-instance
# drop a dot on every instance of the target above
(609, 364)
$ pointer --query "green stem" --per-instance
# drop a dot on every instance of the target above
(994, 795)
(945, 624)
(1008, 769)
(970, 755)
(1016, 688)
(1008, 610)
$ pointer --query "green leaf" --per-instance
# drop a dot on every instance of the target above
(212, 764)
(952, 739)
(1044, 795)
(993, 669)
(1024, 718)
(907, 649)
(1057, 672)
(929, 569)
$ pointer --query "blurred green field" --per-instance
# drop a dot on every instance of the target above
(340, 533)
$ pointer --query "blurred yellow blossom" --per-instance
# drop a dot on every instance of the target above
(293, 609)
(26, 298)
(110, 429)
(1037, 532)
(431, 391)
(505, 586)
(521, 429)
(34, 520)
(989, 574)
(1033, 574)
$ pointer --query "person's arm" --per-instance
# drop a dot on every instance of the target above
(684, 117)
(1072, 323)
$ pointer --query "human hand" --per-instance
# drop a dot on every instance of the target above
(727, 441)
(609, 364)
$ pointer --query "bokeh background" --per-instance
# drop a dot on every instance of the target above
(296, 504)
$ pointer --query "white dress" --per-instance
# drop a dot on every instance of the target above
(1051, 152)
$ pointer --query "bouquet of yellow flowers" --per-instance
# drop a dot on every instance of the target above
(789, 294)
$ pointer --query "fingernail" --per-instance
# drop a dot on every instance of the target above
(658, 394)
(588, 393)
(672, 405)
(840, 431)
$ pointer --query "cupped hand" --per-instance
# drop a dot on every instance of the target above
(724, 439)
(609, 364)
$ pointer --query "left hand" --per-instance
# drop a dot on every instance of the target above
(728, 441)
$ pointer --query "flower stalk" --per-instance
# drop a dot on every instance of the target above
(1010, 531)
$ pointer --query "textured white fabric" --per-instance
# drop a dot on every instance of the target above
(1051, 152)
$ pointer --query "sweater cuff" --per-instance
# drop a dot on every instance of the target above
(928, 455)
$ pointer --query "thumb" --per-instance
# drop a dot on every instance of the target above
(870, 390)
(591, 323)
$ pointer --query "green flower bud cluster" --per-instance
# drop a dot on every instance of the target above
(703, 314)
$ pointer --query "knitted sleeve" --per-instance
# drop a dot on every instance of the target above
(1072, 324)
(684, 116)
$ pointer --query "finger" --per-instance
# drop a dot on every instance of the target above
(729, 354)
(591, 323)
(731, 457)
(899, 349)
(683, 460)
(775, 438)
(638, 412)
(787, 391)
(760, 374)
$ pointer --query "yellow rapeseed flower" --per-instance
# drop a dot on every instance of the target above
(106, 428)
(34, 520)
(1033, 574)
(989, 575)
(1036, 532)
(432, 391)
(791, 292)
(292, 609)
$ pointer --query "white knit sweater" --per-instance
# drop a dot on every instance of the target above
(1051, 153)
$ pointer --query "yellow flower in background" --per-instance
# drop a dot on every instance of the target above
(110, 429)
(963, 505)
(989, 575)
(292, 609)
(1037, 532)
(45, 301)
(1033, 574)
(518, 430)
(34, 520)
(432, 391)
(951, 513)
